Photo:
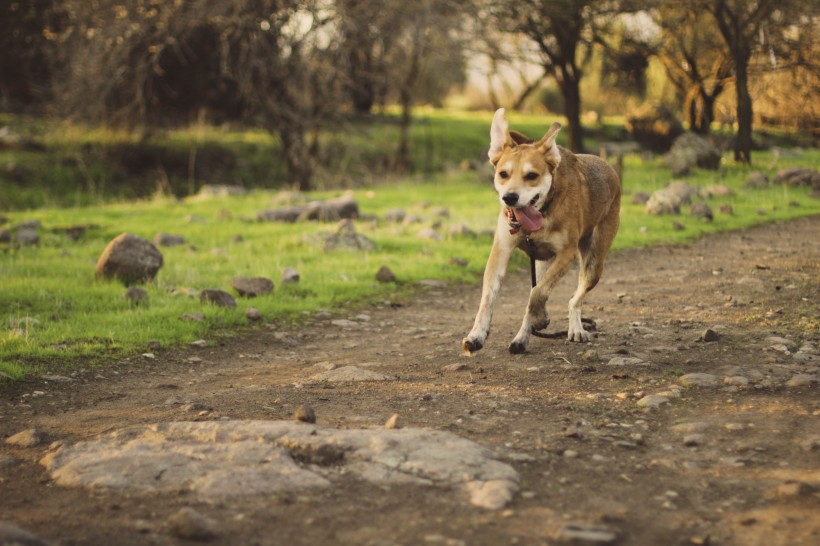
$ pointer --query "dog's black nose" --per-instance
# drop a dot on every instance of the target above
(510, 198)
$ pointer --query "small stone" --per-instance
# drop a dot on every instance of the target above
(572, 432)
(590, 355)
(652, 401)
(570, 454)
(692, 427)
(290, 275)
(28, 438)
(220, 298)
(11, 535)
(727, 209)
(460, 262)
(191, 525)
(736, 380)
(801, 380)
(709, 335)
(27, 236)
(677, 226)
(698, 380)
(305, 414)
(136, 295)
(250, 287)
(395, 422)
(492, 494)
(456, 367)
(253, 314)
(586, 534)
(384, 274)
(56, 378)
(794, 488)
(430, 234)
(626, 361)
(154, 345)
(199, 343)
(693, 440)
(166, 239)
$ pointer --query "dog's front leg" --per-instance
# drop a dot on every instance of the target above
(538, 298)
(502, 249)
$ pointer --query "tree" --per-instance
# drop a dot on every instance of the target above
(742, 25)
(148, 63)
(695, 59)
(564, 31)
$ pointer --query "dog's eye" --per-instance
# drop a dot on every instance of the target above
(504, 174)
(531, 176)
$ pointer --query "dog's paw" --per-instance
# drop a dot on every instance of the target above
(517, 348)
(579, 335)
(469, 346)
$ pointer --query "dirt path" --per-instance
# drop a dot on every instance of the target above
(737, 462)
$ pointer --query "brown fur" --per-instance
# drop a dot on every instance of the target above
(581, 210)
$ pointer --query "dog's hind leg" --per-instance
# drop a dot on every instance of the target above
(592, 251)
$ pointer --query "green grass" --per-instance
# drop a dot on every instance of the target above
(67, 319)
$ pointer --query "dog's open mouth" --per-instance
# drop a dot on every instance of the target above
(527, 217)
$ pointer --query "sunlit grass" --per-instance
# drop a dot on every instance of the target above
(53, 312)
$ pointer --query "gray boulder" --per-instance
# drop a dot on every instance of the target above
(129, 259)
(690, 151)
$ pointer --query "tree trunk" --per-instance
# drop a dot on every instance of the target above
(706, 114)
(743, 143)
(297, 158)
(401, 162)
(570, 90)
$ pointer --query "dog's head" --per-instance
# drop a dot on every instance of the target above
(523, 170)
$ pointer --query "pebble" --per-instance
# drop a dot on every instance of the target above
(794, 488)
(27, 438)
(736, 380)
(626, 361)
(200, 343)
(693, 440)
(801, 380)
(394, 422)
(305, 414)
(11, 535)
(570, 454)
(590, 356)
(457, 367)
(652, 401)
(290, 275)
(588, 534)
(692, 427)
(253, 314)
(189, 524)
(699, 380)
(709, 335)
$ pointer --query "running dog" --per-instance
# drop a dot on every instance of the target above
(555, 205)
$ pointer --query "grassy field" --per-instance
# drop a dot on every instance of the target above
(54, 314)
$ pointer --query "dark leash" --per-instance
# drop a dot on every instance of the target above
(589, 323)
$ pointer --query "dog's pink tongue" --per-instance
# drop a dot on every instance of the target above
(530, 218)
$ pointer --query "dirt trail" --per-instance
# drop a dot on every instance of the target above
(735, 462)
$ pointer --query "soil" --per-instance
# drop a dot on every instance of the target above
(736, 463)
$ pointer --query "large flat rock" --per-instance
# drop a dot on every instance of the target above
(222, 459)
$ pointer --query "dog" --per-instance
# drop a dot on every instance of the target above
(555, 205)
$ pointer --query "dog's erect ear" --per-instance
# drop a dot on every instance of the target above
(499, 136)
(548, 147)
